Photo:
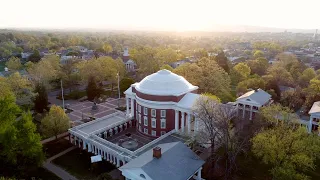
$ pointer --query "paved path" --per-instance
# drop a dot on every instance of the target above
(57, 170)
(53, 138)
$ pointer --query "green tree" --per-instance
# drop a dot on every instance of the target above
(240, 72)
(41, 99)
(167, 67)
(258, 66)
(306, 76)
(292, 99)
(290, 151)
(222, 61)
(35, 57)
(55, 122)
(107, 48)
(93, 90)
(252, 83)
(14, 64)
(258, 54)
(125, 83)
(192, 72)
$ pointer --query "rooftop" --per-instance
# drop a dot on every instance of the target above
(177, 162)
(258, 96)
(315, 107)
(164, 82)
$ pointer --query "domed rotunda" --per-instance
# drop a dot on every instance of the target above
(161, 102)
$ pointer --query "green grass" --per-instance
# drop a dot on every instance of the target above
(30, 173)
(77, 162)
(2, 65)
(54, 147)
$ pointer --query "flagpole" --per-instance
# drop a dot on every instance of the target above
(118, 89)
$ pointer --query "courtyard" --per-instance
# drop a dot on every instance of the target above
(82, 112)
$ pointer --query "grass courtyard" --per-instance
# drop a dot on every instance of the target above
(54, 147)
(77, 162)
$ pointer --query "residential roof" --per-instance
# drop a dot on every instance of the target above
(315, 108)
(177, 162)
(259, 96)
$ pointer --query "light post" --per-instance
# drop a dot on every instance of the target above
(118, 89)
(62, 96)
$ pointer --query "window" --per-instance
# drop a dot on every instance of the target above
(145, 111)
(139, 108)
(139, 118)
(154, 133)
(153, 113)
(145, 118)
(163, 133)
(163, 123)
(163, 113)
(145, 130)
(140, 128)
(153, 123)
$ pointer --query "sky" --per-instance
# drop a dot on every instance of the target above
(177, 15)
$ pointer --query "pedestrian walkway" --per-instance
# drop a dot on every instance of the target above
(57, 170)
(53, 137)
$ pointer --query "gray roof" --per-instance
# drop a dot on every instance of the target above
(177, 162)
(315, 107)
(259, 96)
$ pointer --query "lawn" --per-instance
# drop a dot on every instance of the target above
(54, 147)
(30, 173)
(77, 162)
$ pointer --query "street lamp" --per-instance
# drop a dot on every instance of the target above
(118, 89)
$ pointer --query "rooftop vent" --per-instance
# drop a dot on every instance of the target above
(157, 152)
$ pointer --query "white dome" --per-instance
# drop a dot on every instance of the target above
(164, 82)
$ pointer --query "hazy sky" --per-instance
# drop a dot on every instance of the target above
(159, 14)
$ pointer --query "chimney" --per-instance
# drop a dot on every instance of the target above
(157, 152)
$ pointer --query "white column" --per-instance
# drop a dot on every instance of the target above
(132, 107)
(84, 145)
(251, 107)
(182, 121)
(118, 161)
(75, 140)
(196, 125)
(107, 154)
(127, 104)
(199, 174)
(89, 147)
(189, 122)
(310, 124)
(176, 120)
(244, 110)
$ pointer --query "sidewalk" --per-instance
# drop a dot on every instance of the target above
(57, 170)
(53, 138)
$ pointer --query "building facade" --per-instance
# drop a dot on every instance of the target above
(161, 102)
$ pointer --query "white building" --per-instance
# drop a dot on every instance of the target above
(129, 63)
(314, 117)
(250, 103)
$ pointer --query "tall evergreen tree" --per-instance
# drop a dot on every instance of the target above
(93, 90)
(41, 100)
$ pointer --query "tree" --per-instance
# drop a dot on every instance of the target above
(284, 59)
(222, 61)
(213, 79)
(258, 54)
(306, 76)
(55, 122)
(14, 64)
(258, 66)
(41, 99)
(278, 75)
(125, 83)
(167, 67)
(219, 129)
(35, 57)
(292, 99)
(252, 83)
(290, 151)
(107, 48)
(240, 72)
(22, 89)
(93, 90)
(191, 72)
(19, 141)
